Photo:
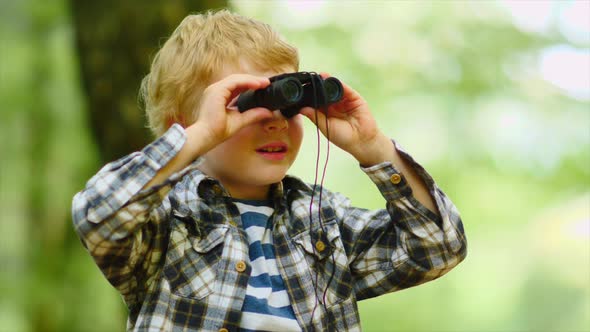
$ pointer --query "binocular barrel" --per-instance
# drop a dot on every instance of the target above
(279, 94)
(291, 92)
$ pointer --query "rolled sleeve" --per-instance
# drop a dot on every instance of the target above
(117, 182)
(409, 244)
(390, 182)
(162, 150)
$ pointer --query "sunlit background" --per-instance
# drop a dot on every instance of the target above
(492, 97)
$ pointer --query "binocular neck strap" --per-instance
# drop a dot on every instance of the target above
(317, 79)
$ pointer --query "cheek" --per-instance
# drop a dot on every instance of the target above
(296, 130)
(297, 124)
(239, 141)
(229, 149)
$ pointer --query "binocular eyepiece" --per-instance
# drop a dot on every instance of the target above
(291, 92)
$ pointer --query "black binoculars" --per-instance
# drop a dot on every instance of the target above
(293, 91)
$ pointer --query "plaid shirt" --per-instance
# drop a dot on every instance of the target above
(177, 254)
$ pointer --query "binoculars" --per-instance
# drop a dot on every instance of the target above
(293, 91)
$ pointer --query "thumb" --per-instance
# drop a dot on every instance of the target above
(254, 115)
(315, 116)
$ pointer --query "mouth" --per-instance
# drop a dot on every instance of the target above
(273, 151)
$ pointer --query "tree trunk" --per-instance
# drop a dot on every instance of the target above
(116, 42)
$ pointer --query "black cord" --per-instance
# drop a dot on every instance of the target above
(315, 183)
(324, 296)
(323, 104)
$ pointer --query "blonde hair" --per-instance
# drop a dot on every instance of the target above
(197, 50)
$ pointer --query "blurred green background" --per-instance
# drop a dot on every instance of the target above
(492, 97)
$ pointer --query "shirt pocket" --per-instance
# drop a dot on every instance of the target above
(192, 262)
(328, 263)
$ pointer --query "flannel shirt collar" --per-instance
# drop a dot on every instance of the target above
(212, 191)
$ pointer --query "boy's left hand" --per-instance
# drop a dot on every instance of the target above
(353, 128)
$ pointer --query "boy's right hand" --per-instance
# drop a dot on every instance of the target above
(215, 122)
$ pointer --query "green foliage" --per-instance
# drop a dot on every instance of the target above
(455, 82)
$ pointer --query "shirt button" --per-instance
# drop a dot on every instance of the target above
(223, 329)
(395, 178)
(320, 246)
(241, 266)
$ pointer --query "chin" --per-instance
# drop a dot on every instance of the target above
(272, 177)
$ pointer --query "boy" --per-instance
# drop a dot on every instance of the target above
(203, 231)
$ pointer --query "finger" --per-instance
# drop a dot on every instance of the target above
(349, 92)
(234, 84)
(235, 94)
(245, 81)
(232, 105)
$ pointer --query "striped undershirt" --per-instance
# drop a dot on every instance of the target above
(267, 306)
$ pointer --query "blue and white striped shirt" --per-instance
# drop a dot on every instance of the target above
(266, 306)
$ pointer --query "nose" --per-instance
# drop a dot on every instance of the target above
(277, 123)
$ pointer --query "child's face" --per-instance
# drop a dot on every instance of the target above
(258, 155)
